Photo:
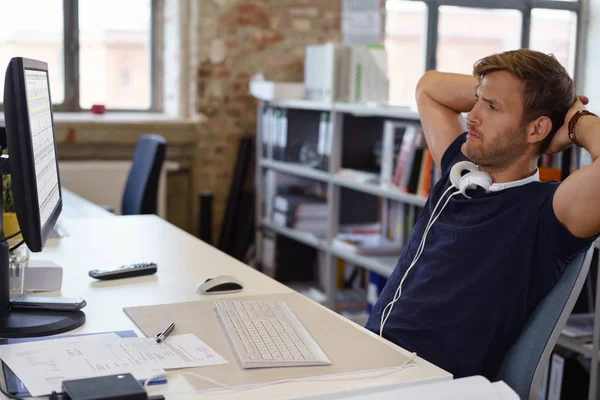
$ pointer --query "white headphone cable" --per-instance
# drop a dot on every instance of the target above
(416, 253)
(389, 307)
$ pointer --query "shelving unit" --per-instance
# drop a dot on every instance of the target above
(336, 185)
(383, 191)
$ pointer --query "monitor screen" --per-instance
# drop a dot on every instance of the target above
(42, 141)
(32, 151)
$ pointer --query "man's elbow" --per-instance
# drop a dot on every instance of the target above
(424, 85)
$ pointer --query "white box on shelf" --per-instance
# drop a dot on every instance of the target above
(346, 73)
(368, 80)
(269, 91)
(326, 72)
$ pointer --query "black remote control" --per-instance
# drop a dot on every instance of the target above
(124, 271)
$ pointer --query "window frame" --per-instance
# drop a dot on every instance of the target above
(525, 6)
(71, 60)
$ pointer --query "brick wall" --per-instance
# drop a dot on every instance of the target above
(235, 40)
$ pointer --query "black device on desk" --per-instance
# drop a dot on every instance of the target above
(111, 387)
(32, 162)
(48, 303)
(124, 271)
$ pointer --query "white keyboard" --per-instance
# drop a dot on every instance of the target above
(267, 334)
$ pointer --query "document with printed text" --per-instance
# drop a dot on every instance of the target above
(42, 366)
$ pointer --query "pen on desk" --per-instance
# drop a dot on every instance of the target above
(161, 336)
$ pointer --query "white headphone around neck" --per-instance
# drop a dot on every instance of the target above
(471, 180)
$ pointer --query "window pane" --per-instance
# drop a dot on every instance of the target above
(114, 58)
(37, 35)
(405, 45)
(555, 31)
(468, 34)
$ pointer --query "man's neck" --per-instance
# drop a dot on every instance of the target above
(516, 171)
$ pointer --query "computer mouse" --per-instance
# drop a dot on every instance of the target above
(220, 284)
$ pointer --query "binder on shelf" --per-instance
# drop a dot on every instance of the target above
(266, 132)
(328, 143)
(387, 152)
(283, 133)
(276, 134)
(267, 257)
(281, 141)
(324, 142)
(270, 191)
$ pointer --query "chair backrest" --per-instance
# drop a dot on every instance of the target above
(526, 360)
(141, 189)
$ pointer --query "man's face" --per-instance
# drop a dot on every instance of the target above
(496, 136)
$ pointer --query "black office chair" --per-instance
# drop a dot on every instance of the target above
(141, 189)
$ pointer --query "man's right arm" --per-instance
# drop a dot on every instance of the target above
(441, 98)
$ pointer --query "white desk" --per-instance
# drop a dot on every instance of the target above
(75, 206)
(184, 261)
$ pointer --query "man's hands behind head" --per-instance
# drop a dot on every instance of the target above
(561, 140)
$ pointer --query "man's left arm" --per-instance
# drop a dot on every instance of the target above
(576, 202)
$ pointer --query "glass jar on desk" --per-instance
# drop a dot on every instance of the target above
(18, 261)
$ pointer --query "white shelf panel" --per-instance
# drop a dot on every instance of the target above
(574, 345)
(303, 237)
(302, 104)
(382, 265)
(296, 169)
(364, 110)
(385, 191)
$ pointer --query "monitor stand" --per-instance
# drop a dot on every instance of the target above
(15, 323)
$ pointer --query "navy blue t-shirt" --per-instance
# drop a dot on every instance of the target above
(486, 263)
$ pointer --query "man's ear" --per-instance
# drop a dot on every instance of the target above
(538, 129)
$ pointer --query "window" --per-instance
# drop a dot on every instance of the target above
(112, 43)
(405, 45)
(555, 31)
(36, 35)
(468, 34)
(110, 61)
(450, 35)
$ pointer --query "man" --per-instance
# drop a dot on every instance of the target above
(489, 259)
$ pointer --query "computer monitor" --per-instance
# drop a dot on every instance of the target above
(33, 165)
(32, 149)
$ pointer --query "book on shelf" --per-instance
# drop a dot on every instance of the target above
(366, 244)
(369, 228)
(301, 205)
(347, 300)
(358, 175)
(414, 170)
(405, 156)
(314, 225)
(579, 326)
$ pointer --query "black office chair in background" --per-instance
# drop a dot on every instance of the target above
(141, 189)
